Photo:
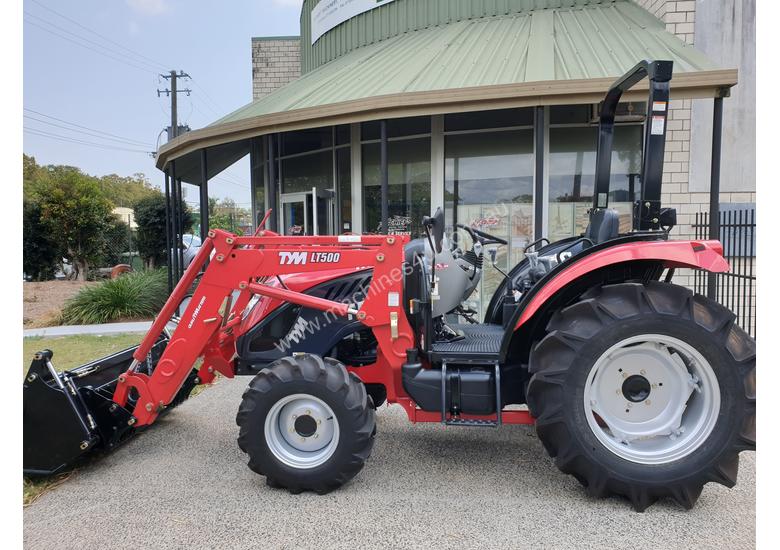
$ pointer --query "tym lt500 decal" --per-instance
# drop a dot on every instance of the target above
(298, 258)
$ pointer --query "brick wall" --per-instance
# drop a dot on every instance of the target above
(275, 62)
(680, 17)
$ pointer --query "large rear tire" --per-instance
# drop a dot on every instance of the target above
(645, 391)
(306, 424)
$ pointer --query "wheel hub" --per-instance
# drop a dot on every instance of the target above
(651, 399)
(636, 388)
(302, 431)
(305, 426)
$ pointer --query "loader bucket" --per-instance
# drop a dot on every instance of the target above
(69, 414)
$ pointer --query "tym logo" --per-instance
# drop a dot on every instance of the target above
(298, 258)
(290, 258)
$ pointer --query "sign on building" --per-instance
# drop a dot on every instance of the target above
(330, 13)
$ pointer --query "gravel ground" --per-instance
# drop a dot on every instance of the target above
(184, 483)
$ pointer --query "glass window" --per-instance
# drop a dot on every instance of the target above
(488, 184)
(258, 167)
(344, 179)
(307, 171)
(396, 127)
(343, 134)
(500, 118)
(572, 169)
(301, 141)
(571, 114)
(409, 186)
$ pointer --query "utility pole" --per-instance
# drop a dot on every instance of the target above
(172, 93)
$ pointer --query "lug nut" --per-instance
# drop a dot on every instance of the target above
(380, 257)
(84, 445)
(149, 407)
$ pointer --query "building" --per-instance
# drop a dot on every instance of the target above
(484, 107)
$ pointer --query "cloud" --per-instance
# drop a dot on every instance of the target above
(149, 7)
(288, 3)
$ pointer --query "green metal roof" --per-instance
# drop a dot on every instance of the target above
(582, 42)
(561, 55)
(403, 16)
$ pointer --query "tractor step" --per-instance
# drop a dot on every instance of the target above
(472, 423)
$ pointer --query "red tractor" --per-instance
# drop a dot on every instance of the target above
(636, 386)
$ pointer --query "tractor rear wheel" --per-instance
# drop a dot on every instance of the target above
(645, 391)
(306, 424)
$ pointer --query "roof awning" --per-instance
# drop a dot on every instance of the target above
(540, 57)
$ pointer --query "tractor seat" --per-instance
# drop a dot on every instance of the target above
(604, 225)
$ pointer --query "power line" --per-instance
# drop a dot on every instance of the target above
(230, 182)
(117, 137)
(91, 134)
(81, 37)
(125, 61)
(98, 34)
(70, 139)
(207, 96)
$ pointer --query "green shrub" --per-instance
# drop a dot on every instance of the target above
(137, 295)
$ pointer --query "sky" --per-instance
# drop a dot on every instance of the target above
(91, 75)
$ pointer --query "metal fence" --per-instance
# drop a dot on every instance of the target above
(736, 289)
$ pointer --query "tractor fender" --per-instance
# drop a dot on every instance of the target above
(705, 254)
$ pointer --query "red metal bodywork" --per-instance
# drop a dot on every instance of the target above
(707, 255)
(256, 264)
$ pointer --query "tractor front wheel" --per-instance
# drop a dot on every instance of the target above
(645, 391)
(306, 424)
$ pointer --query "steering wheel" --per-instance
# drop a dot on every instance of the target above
(481, 236)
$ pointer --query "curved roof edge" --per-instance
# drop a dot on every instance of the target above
(700, 84)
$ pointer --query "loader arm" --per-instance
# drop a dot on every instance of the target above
(209, 326)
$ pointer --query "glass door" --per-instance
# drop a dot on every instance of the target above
(309, 213)
(295, 219)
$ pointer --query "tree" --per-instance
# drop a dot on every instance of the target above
(75, 212)
(126, 190)
(225, 214)
(150, 237)
(42, 251)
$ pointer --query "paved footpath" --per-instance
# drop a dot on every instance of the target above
(184, 484)
(71, 330)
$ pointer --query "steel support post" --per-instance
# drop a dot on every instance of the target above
(383, 173)
(204, 196)
(539, 153)
(717, 133)
(168, 239)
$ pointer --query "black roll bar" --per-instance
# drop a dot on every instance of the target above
(647, 210)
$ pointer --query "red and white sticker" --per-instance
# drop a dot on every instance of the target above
(659, 106)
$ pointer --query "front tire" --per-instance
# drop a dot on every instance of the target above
(682, 434)
(306, 424)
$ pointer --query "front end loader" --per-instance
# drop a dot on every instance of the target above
(636, 386)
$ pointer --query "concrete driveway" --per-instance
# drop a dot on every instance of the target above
(184, 483)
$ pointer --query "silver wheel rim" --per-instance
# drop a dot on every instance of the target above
(652, 399)
(301, 431)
